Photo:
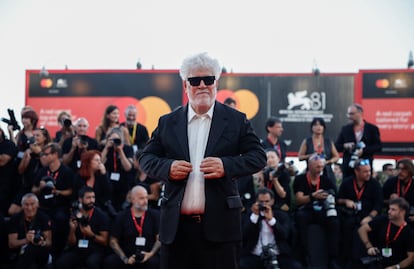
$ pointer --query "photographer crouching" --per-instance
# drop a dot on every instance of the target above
(265, 236)
(389, 241)
(88, 236)
(315, 198)
(30, 235)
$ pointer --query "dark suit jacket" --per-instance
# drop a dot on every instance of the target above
(141, 135)
(282, 144)
(232, 139)
(281, 231)
(371, 139)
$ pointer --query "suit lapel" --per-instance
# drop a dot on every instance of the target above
(180, 131)
(218, 123)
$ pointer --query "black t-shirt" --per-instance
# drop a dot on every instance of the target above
(18, 225)
(301, 185)
(403, 243)
(99, 222)
(391, 186)
(371, 198)
(125, 231)
(102, 188)
(67, 145)
(63, 180)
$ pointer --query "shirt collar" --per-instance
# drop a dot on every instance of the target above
(192, 113)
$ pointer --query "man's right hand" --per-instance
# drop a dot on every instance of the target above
(179, 170)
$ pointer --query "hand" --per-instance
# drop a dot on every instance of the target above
(393, 196)
(373, 251)
(30, 236)
(180, 169)
(349, 146)
(212, 167)
(350, 204)
(320, 195)
(366, 220)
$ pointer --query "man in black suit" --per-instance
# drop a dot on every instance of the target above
(266, 227)
(199, 150)
(357, 140)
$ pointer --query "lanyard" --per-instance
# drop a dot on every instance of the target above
(387, 236)
(114, 160)
(276, 147)
(404, 191)
(358, 193)
(138, 226)
(134, 133)
(318, 183)
(54, 175)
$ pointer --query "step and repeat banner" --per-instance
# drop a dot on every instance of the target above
(294, 98)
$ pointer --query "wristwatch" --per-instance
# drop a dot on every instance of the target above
(397, 266)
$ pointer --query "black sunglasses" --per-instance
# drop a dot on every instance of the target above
(208, 80)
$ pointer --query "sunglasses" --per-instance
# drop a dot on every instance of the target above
(363, 162)
(208, 80)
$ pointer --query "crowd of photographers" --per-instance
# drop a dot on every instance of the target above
(72, 201)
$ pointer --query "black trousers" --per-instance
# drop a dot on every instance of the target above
(191, 250)
(32, 257)
(74, 258)
(306, 216)
(114, 262)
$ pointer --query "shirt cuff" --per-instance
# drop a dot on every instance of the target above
(254, 218)
(272, 222)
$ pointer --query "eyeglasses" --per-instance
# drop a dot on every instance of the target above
(45, 154)
(208, 80)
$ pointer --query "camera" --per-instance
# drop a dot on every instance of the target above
(12, 121)
(329, 204)
(30, 140)
(77, 214)
(50, 184)
(354, 156)
(67, 123)
(371, 259)
(38, 235)
(117, 141)
(262, 207)
(83, 139)
(139, 256)
(411, 211)
(269, 257)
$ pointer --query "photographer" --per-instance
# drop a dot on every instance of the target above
(388, 241)
(402, 185)
(266, 235)
(54, 186)
(30, 234)
(276, 178)
(88, 236)
(64, 120)
(360, 200)
(74, 146)
(312, 191)
(134, 235)
(118, 160)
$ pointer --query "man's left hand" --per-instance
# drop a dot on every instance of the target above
(212, 167)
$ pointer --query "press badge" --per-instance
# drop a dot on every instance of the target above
(140, 241)
(49, 196)
(20, 154)
(387, 252)
(78, 163)
(83, 243)
(358, 206)
(115, 176)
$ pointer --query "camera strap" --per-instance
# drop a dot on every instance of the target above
(54, 175)
(115, 164)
